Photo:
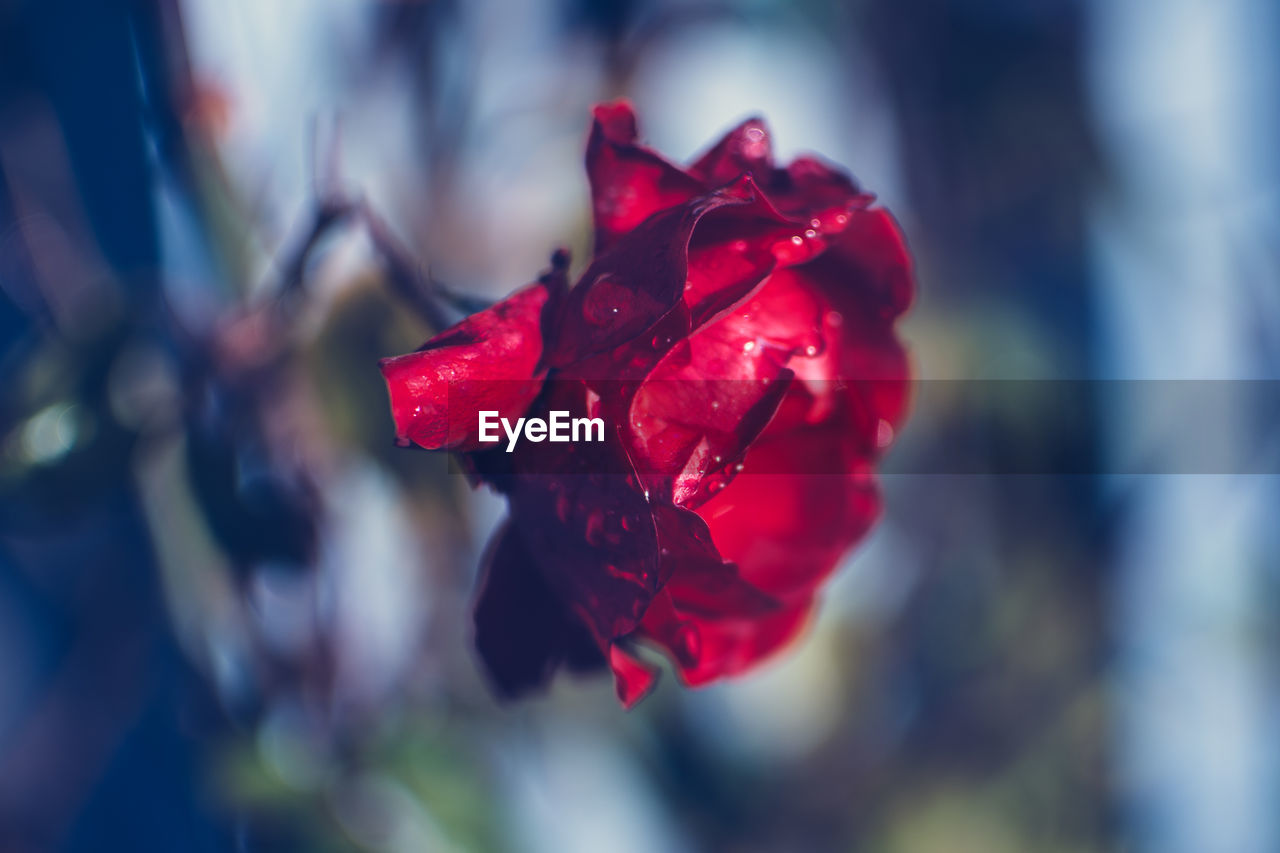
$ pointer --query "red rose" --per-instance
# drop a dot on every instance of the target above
(734, 332)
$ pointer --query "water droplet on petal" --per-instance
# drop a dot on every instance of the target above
(748, 346)
(811, 350)
(884, 433)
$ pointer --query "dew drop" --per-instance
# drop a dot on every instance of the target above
(815, 222)
(603, 300)
(834, 319)
(811, 233)
(718, 460)
(884, 433)
(798, 240)
(748, 346)
(715, 404)
(811, 350)
(739, 467)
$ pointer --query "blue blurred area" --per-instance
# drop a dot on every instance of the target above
(233, 616)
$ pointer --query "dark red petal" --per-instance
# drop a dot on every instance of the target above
(709, 620)
(869, 263)
(489, 361)
(731, 250)
(629, 183)
(812, 189)
(696, 577)
(629, 288)
(586, 522)
(522, 631)
(633, 678)
(745, 149)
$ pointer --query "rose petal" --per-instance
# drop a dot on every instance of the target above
(632, 677)
(522, 631)
(631, 287)
(581, 514)
(629, 183)
(864, 282)
(868, 264)
(707, 400)
(707, 649)
(699, 411)
(489, 361)
(785, 526)
(745, 149)
(696, 577)
(811, 189)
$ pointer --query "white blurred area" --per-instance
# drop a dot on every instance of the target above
(1187, 110)
(517, 189)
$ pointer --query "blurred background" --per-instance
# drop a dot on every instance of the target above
(234, 617)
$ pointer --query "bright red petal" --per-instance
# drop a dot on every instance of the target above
(629, 183)
(632, 677)
(785, 525)
(706, 649)
(746, 149)
(489, 361)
